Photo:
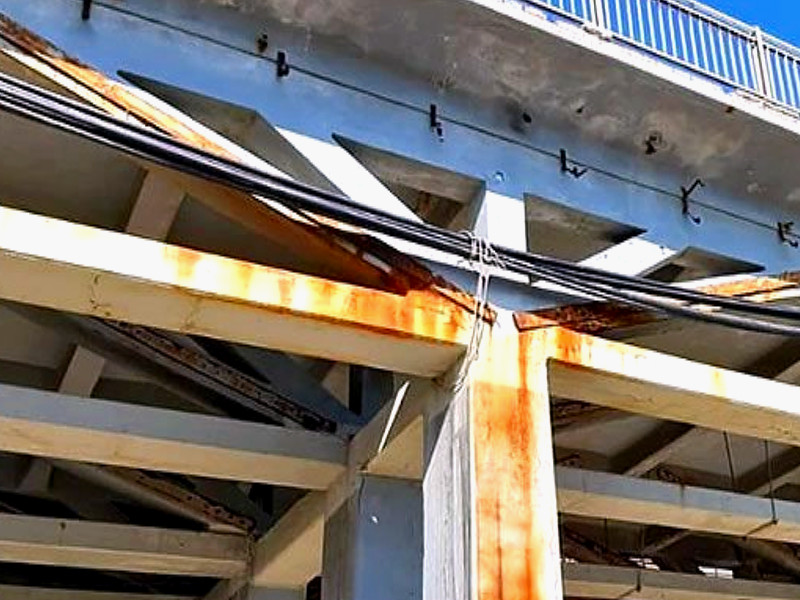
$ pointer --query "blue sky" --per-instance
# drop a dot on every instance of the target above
(778, 17)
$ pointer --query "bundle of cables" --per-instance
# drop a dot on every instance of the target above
(45, 107)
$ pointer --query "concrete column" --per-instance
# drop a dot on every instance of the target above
(491, 525)
(373, 543)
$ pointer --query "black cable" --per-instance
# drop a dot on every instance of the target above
(31, 102)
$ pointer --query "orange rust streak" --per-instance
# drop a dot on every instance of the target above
(755, 286)
(597, 317)
(581, 351)
(517, 532)
(418, 314)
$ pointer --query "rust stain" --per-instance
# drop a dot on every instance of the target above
(513, 469)
(751, 287)
(595, 317)
(419, 314)
(182, 263)
(599, 317)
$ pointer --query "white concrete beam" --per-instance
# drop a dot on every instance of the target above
(76, 268)
(645, 382)
(82, 544)
(155, 207)
(14, 592)
(607, 496)
(600, 582)
(90, 430)
(636, 256)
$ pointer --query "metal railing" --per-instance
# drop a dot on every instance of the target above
(698, 38)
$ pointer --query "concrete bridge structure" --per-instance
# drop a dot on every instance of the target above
(209, 392)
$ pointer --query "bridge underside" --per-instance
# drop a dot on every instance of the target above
(204, 393)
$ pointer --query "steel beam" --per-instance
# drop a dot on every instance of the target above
(67, 427)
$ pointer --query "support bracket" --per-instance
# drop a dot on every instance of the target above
(282, 65)
(435, 121)
(573, 170)
(786, 233)
(686, 196)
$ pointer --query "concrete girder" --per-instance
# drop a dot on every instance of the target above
(610, 583)
(57, 542)
(97, 431)
(524, 171)
(115, 276)
(14, 592)
(619, 498)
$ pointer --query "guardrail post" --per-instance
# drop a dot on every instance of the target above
(762, 70)
(599, 14)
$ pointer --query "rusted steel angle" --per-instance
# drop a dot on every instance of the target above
(598, 317)
(252, 393)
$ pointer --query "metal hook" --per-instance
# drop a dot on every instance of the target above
(785, 230)
(435, 122)
(282, 64)
(575, 171)
(262, 43)
(685, 195)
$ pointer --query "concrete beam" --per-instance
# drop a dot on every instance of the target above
(76, 268)
(506, 445)
(290, 553)
(14, 592)
(155, 207)
(610, 583)
(82, 544)
(607, 496)
(90, 430)
(641, 381)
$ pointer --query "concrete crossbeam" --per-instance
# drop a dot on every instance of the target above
(642, 381)
(607, 583)
(76, 268)
(97, 431)
(13, 592)
(615, 497)
(57, 542)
